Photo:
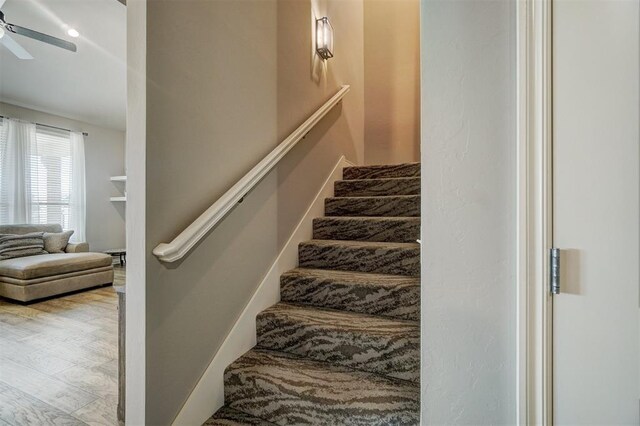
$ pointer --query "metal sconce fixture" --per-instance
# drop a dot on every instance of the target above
(324, 38)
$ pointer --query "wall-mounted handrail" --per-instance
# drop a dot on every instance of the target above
(180, 246)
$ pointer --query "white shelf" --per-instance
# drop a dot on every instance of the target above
(118, 199)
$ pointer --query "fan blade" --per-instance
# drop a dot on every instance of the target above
(16, 29)
(14, 47)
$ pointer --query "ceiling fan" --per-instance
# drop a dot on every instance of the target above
(16, 48)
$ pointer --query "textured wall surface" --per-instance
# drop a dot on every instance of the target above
(104, 157)
(468, 212)
(240, 77)
(392, 81)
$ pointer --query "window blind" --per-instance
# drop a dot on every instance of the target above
(50, 170)
(4, 204)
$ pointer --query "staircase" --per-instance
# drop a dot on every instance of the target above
(343, 345)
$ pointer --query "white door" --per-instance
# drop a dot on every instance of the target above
(596, 333)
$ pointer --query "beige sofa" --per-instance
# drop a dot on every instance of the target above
(44, 275)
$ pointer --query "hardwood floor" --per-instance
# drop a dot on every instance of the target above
(59, 359)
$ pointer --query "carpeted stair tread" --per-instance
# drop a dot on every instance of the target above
(363, 228)
(361, 256)
(393, 205)
(384, 346)
(343, 346)
(227, 416)
(289, 390)
(382, 171)
(377, 187)
(391, 296)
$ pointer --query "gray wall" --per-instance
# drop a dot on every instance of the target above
(240, 77)
(392, 81)
(104, 157)
(468, 212)
(136, 211)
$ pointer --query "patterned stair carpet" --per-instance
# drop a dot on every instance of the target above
(343, 345)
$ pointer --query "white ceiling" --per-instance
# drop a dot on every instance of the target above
(89, 85)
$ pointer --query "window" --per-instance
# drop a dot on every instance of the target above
(41, 176)
(50, 171)
(3, 153)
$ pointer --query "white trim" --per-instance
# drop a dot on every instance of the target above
(348, 163)
(534, 304)
(208, 394)
(180, 246)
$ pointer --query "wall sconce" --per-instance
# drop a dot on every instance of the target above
(324, 38)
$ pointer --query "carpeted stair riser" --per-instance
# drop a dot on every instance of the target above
(381, 229)
(377, 187)
(227, 416)
(395, 206)
(382, 172)
(390, 296)
(362, 342)
(379, 258)
(286, 390)
(342, 347)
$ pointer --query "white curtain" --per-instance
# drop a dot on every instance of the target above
(42, 177)
(18, 139)
(77, 199)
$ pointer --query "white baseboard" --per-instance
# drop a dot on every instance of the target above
(208, 394)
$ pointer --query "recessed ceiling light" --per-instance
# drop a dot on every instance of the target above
(72, 32)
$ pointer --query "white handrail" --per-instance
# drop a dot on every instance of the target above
(180, 246)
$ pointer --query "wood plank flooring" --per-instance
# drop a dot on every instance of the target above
(59, 359)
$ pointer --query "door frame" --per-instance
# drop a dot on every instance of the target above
(534, 373)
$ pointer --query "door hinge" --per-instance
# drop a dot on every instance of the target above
(554, 271)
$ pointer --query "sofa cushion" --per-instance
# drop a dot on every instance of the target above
(12, 246)
(56, 242)
(45, 265)
(29, 228)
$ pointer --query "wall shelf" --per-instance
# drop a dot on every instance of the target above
(119, 199)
